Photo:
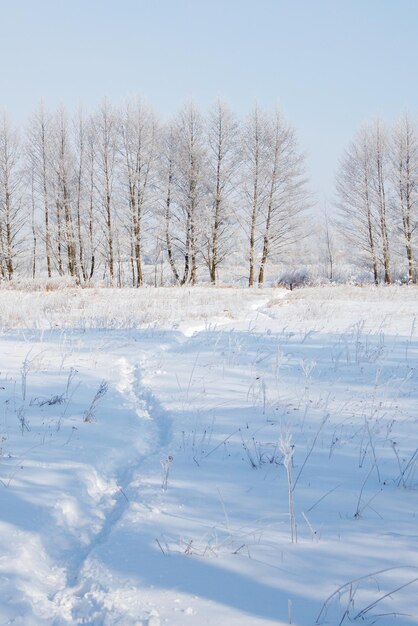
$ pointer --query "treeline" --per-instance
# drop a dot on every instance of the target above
(103, 195)
(377, 187)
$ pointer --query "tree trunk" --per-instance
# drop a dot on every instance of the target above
(254, 208)
(382, 212)
(370, 227)
(167, 226)
(46, 204)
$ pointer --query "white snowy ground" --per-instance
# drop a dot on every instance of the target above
(142, 467)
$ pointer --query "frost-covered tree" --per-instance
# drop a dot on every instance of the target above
(64, 168)
(38, 149)
(355, 200)
(11, 209)
(255, 183)
(287, 196)
(223, 157)
(80, 134)
(404, 175)
(184, 167)
(167, 152)
(380, 170)
(138, 143)
(275, 194)
(376, 186)
(105, 159)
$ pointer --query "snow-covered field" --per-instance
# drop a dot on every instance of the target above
(155, 443)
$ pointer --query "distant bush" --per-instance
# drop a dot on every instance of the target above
(295, 278)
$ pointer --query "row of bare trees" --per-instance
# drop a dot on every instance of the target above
(377, 187)
(106, 195)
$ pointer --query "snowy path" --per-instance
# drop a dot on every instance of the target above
(82, 598)
(79, 518)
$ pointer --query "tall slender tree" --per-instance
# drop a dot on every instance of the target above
(11, 210)
(223, 160)
(254, 141)
(380, 159)
(168, 148)
(187, 189)
(287, 196)
(105, 127)
(355, 200)
(404, 174)
(64, 166)
(138, 130)
(39, 153)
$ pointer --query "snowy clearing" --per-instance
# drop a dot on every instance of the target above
(209, 456)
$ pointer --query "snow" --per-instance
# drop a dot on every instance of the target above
(142, 473)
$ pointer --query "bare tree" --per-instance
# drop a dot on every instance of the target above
(31, 178)
(64, 167)
(11, 213)
(404, 174)
(223, 160)
(86, 195)
(329, 244)
(326, 241)
(355, 199)
(168, 147)
(138, 131)
(184, 160)
(287, 197)
(254, 139)
(80, 188)
(190, 183)
(380, 159)
(105, 136)
(38, 150)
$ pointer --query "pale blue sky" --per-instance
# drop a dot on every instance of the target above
(329, 64)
